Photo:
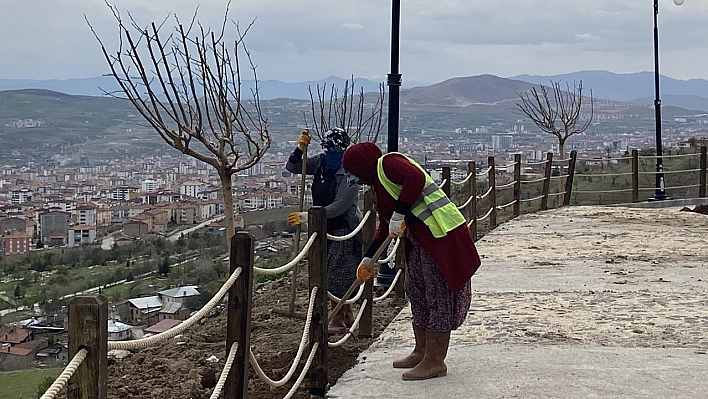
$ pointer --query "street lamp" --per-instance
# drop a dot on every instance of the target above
(386, 274)
(659, 192)
(394, 79)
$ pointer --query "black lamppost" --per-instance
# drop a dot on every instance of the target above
(386, 272)
(394, 79)
(659, 193)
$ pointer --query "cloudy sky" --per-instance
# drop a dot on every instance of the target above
(298, 40)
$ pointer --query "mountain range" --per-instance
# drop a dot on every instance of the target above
(459, 92)
(635, 87)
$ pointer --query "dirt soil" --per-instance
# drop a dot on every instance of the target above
(179, 368)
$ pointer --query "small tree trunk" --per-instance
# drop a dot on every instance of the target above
(561, 164)
(227, 191)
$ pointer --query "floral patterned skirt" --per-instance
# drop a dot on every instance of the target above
(434, 305)
(343, 258)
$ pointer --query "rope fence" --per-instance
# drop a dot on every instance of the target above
(87, 350)
(225, 372)
(143, 343)
(65, 375)
(292, 263)
(354, 232)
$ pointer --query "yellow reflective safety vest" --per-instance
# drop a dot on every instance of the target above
(433, 207)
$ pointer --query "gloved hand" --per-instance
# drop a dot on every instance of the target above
(296, 218)
(396, 224)
(365, 270)
(304, 140)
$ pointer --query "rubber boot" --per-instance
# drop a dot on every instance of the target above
(433, 364)
(418, 353)
(337, 325)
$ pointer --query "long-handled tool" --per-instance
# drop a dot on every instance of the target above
(293, 285)
(355, 284)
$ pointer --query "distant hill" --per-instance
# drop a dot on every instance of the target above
(465, 92)
(687, 101)
(690, 94)
(268, 89)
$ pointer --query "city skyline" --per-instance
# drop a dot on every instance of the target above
(307, 40)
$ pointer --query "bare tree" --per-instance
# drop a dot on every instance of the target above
(332, 108)
(186, 83)
(557, 110)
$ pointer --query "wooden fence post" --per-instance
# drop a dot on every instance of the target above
(491, 177)
(472, 190)
(367, 317)
(238, 308)
(517, 184)
(635, 175)
(702, 188)
(446, 177)
(571, 175)
(88, 328)
(547, 181)
(317, 260)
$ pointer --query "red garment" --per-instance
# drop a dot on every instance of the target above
(455, 254)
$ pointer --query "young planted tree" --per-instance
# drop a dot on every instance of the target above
(558, 110)
(358, 114)
(187, 84)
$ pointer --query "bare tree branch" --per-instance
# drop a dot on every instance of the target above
(557, 111)
(348, 112)
(187, 85)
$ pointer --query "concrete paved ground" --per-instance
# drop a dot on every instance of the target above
(580, 302)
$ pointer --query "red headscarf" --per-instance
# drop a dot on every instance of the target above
(360, 160)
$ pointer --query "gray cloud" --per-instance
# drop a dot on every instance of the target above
(311, 39)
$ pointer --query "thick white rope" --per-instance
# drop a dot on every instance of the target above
(603, 174)
(65, 375)
(442, 183)
(484, 172)
(353, 233)
(465, 180)
(392, 253)
(489, 190)
(225, 372)
(563, 192)
(290, 264)
(349, 301)
(535, 163)
(466, 204)
(678, 187)
(533, 199)
(506, 185)
(502, 207)
(303, 343)
(390, 288)
(354, 326)
(534, 180)
(668, 172)
(486, 215)
(180, 328)
(507, 166)
(305, 369)
(664, 156)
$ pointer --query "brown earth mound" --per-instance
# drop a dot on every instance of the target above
(179, 368)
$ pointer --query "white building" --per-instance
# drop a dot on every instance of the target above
(191, 188)
(149, 185)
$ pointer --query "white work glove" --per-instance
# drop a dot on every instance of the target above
(396, 224)
(296, 218)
